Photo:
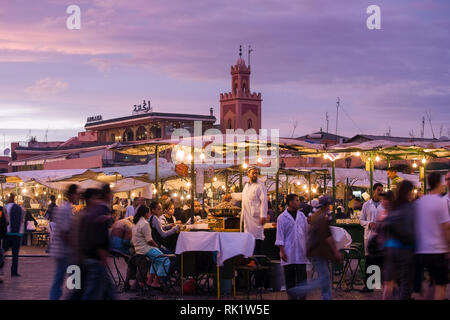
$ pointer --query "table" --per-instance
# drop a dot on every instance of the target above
(226, 244)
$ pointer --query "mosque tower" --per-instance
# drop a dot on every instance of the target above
(240, 108)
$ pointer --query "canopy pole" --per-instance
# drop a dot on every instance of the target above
(309, 188)
(371, 175)
(333, 176)
(287, 184)
(388, 179)
(226, 182)
(240, 179)
(3, 196)
(192, 182)
(157, 171)
(325, 183)
(425, 178)
(277, 191)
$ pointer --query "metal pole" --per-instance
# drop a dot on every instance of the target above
(424, 178)
(371, 175)
(325, 184)
(309, 186)
(277, 191)
(333, 174)
(388, 179)
(287, 184)
(226, 182)
(240, 180)
(157, 171)
(192, 183)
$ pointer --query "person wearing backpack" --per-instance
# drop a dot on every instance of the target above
(398, 229)
(15, 218)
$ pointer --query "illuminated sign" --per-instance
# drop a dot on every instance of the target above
(142, 108)
(95, 119)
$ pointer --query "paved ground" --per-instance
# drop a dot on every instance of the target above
(36, 270)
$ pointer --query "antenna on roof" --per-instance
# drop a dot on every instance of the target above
(338, 102)
(431, 125)
(422, 132)
(328, 120)
(240, 51)
(46, 135)
(250, 50)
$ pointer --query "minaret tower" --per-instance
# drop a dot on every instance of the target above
(240, 108)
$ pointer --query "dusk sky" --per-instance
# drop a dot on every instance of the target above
(178, 55)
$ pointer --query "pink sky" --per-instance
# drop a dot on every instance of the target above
(178, 55)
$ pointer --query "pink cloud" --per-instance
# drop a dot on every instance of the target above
(47, 86)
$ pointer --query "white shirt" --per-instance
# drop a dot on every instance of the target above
(370, 212)
(130, 212)
(292, 235)
(141, 235)
(431, 212)
(254, 207)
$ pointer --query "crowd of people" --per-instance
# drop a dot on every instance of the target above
(405, 234)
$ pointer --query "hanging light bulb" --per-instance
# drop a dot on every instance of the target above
(188, 184)
(36, 194)
(314, 190)
(59, 196)
(305, 186)
(215, 179)
(154, 191)
(245, 166)
(36, 186)
(202, 156)
(45, 192)
(175, 195)
(260, 160)
(188, 196)
(377, 158)
(21, 184)
(414, 165)
(223, 187)
(190, 157)
(358, 154)
(24, 190)
(180, 154)
(182, 197)
(298, 183)
(424, 160)
(133, 194)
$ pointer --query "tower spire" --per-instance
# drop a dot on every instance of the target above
(240, 51)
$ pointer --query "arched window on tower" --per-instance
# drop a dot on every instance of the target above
(229, 124)
(249, 124)
(235, 88)
(128, 135)
(244, 87)
(141, 133)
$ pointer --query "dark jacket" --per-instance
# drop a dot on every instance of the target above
(399, 225)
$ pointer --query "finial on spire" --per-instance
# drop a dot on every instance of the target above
(240, 51)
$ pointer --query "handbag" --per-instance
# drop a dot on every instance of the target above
(31, 226)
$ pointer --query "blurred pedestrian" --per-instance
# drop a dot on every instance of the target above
(291, 239)
(433, 236)
(15, 218)
(321, 249)
(398, 229)
(94, 245)
(370, 212)
(60, 249)
(3, 230)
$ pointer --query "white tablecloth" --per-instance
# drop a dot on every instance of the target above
(227, 244)
(341, 236)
